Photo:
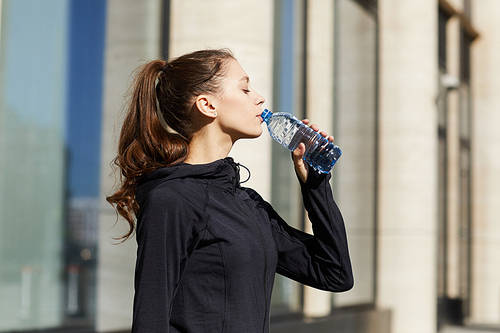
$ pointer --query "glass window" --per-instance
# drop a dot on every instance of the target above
(467, 10)
(465, 44)
(355, 57)
(50, 104)
(465, 199)
(287, 97)
(442, 106)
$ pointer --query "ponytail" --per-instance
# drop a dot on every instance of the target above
(158, 127)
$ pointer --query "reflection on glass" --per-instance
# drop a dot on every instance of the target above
(285, 196)
(32, 186)
(49, 147)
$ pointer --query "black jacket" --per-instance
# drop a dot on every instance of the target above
(208, 249)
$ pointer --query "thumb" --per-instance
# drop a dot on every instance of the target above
(299, 152)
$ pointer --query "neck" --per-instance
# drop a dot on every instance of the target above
(207, 145)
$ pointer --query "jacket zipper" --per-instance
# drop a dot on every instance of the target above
(261, 240)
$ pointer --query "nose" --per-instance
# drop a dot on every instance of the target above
(260, 99)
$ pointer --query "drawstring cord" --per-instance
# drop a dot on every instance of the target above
(238, 166)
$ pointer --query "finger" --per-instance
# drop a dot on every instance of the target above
(297, 150)
(330, 138)
(315, 127)
(305, 121)
(323, 133)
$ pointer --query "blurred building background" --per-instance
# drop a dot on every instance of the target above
(410, 90)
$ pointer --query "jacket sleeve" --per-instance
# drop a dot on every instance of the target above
(321, 260)
(166, 236)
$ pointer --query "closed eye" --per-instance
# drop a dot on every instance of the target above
(246, 91)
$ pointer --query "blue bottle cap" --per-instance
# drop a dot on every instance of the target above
(266, 114)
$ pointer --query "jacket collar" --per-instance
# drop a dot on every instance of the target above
(223, 172)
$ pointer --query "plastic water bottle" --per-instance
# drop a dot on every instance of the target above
(289, 131)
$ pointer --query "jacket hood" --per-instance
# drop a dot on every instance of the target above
(223, 171)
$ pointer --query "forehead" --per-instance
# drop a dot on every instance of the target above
(235, 71)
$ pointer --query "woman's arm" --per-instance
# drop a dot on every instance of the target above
(321, 260)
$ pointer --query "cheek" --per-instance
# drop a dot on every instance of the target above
(236, 111)
(232, 119)
(234, 101)
(239, 120)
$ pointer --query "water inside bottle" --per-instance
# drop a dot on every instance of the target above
(320, 153)
(283, 131)
(291, 132)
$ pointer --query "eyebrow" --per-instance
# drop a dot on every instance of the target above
(245, 78)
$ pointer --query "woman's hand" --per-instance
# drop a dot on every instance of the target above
(298, 153)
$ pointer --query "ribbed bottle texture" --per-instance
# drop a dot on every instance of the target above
(289, 131)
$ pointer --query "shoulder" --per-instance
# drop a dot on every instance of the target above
(253, 194)
(179, 188)
(176, 197)
(256, 197)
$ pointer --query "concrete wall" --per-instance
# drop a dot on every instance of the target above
(320, 101)
(407, 164)
(355, 129)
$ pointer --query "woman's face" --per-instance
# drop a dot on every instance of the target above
(239, 106)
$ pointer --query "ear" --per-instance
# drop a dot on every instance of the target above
(204, 103)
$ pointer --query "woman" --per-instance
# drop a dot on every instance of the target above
(208, 248)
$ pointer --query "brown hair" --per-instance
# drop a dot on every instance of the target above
(165, 90)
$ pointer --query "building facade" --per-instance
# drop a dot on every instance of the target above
(408, 89)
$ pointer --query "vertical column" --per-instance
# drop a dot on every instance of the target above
(248, 33)
(355, 129)
(132, 37)
(485, 84)
(407, 164)
(319, 108)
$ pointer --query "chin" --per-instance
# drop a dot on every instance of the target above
(259, 132)
(251, 135)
